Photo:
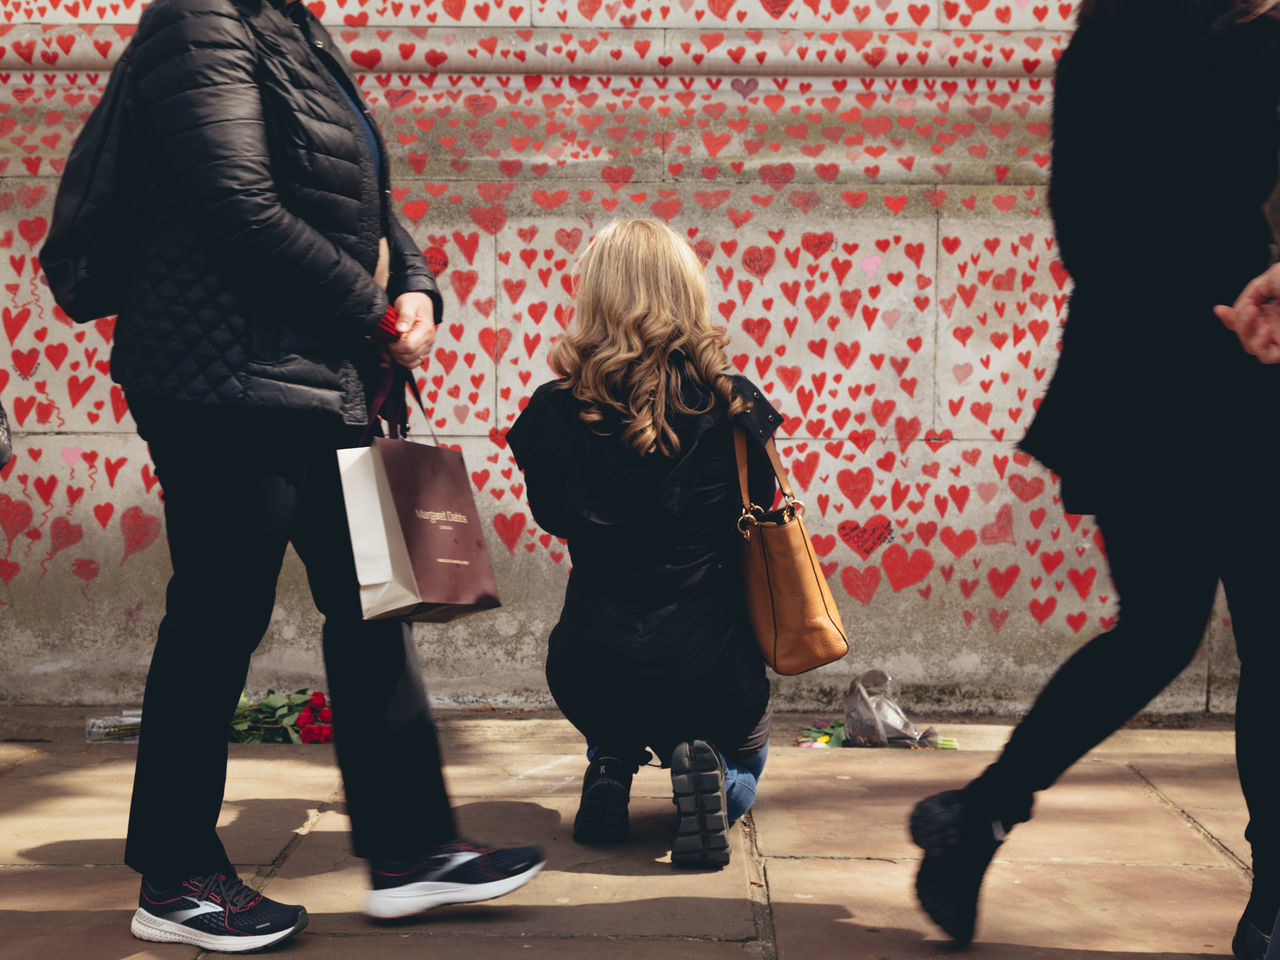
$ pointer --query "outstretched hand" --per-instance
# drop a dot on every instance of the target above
(1255, 316)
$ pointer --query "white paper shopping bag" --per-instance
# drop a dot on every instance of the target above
(388, 587)
(415, 532)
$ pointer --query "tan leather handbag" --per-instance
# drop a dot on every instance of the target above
(791, 608)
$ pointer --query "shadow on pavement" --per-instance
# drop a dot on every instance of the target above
(827, 931)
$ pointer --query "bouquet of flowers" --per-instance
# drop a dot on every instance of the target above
(822, 734)
(300, 717)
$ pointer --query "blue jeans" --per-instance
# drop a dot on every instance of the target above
(741, 777)
(740, 780)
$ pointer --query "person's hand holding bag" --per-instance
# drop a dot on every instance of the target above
(408, 331)
(416, 327)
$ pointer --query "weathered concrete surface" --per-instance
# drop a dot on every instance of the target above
(1132, 854)
(866, 185)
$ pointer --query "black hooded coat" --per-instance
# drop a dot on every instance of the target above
(653, 644)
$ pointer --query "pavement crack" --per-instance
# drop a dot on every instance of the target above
(758, 888)
(26, 758)
(265, 875)
(1205, 834)
(851, 858)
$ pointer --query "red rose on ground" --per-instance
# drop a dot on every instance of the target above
(305, 718)
(326, 715)
(317, 700)
(311, 734)
(326, 733)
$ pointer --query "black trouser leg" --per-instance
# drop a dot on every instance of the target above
(238, 487)
(1251, 574)
(621, 711)
(602, 711)
(227, 513)
(382, 726)
(1164, 605)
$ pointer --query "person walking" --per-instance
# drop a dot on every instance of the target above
(1154, 411)
(268, 290)
(1255, 319)
(629, 456)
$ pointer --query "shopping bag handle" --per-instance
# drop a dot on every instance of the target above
(398, 421)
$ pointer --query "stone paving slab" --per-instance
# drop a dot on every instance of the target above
(1213, 738)
(12, 754)
(629, 890)
(1113, 866)
(404, 946)
(47, 819)
(1098, 811)
(850, 796)
(50, 913)
(270, 792)
(866, 909)
(1207, 790)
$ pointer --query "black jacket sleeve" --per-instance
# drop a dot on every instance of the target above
(545, 480)
(536, 440)
(409, 272)
(194, 67)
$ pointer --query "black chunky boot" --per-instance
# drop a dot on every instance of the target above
(702, 821)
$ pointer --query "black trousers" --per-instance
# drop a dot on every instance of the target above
(622, 709)
(238, 487)
(1166, 559)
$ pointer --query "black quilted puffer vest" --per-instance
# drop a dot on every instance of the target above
(252, 284)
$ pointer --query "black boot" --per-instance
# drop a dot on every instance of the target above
(702, 820)
(1249, 943)
(1254, 939)
(602, 812)
(958, 843)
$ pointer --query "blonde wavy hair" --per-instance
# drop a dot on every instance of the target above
(641, 331)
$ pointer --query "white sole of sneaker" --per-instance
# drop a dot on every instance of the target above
(414, 898)
(145, 926)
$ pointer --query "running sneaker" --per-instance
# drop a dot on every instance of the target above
(702, 821)
(215, 912)
(602, 813)
(455, 872)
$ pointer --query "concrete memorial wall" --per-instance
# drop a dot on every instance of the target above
(866, 182)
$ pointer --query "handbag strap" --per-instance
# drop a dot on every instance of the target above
(751, 511)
